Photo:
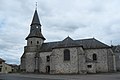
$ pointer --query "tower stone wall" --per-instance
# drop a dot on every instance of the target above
(34, 41)
(30, 61)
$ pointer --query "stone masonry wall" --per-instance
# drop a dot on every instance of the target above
(117, 56)
(43, 61)
(30, 61)
(35, 41)
(111, 60)
(64, 67)
(81, 60)
(22, 66)
(101, 63)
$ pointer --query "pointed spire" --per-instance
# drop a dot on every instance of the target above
(35, 20)
(35, 30)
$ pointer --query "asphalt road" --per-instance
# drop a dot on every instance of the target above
(102, 76)
(18, 77)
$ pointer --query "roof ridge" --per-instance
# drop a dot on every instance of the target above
(84, 39)
(73, 40)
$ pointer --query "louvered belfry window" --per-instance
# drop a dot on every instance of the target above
(66, 55)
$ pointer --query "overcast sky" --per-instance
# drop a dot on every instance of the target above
(79, 19)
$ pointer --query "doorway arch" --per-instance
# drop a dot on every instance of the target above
(47, 69)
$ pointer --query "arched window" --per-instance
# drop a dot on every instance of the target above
(66, 55)
(94, 57)
(31, 42)
(47, 58)
(37, 42)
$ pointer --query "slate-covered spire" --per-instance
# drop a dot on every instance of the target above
(35, 31)
(35, 20)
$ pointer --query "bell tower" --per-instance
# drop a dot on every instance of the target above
(35, 36)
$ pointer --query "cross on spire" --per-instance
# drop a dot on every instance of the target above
(36, 5)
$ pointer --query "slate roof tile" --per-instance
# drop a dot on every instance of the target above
(91, 43)
(2, 60)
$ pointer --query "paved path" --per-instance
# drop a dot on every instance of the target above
(104, 76)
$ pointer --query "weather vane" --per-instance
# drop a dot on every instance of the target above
(36, 6)
(111, 42)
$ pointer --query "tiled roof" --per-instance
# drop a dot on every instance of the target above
(35, 33)
(67, 42)
(2, 60)
(46, 47)
(91, 43)
(35, 27)
(35, 19)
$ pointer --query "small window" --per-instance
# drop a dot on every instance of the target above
(0, 62)
(0, 69)
(12, 70)
(66, 55)
(47, 58)
(37, 42)
(94, 57)
(89, 66)
(31, 42)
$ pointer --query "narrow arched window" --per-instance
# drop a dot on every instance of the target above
(47, 58)
(37, 42)
(94, 57)
(66, 55)
(31, 42)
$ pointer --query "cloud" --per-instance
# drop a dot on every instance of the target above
(59, 18)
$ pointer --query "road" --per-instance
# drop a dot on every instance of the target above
(21, 77)
(102, 76)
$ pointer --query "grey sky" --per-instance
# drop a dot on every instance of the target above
(78, 19)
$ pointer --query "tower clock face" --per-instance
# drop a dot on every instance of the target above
(36, 26)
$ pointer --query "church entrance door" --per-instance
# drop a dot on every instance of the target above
(47, 69)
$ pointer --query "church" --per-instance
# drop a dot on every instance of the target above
(65, 57)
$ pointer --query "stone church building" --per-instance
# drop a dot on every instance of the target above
(65, 57)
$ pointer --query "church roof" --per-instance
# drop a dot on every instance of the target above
(35, 27)
(35, 33)
(46, 47)
(35, 19)
(1, 60)
(67, 42)
(91, 43)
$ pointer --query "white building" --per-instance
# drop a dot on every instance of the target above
(4, 68)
